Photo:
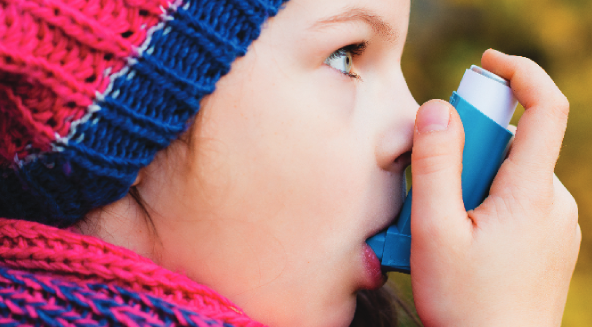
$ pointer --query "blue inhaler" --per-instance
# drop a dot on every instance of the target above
(485, 104)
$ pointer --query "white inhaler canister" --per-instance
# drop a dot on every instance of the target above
(485, 104)
(488, 93)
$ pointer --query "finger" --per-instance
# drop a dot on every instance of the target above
(436, 165)
(542, 126)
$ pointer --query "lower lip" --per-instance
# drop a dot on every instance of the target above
(374, 276)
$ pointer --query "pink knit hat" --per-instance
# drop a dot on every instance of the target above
(90, 90)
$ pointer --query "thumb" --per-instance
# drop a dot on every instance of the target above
(436, 165)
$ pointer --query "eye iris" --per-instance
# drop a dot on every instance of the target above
(348, 62)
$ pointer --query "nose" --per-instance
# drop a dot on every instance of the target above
(393, 150)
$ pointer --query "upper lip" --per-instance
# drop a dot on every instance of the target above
(387, 223)
(383, 227)
(404, 160)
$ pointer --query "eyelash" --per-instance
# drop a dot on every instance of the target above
(355, 50)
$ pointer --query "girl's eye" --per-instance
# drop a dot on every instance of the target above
(343, 59)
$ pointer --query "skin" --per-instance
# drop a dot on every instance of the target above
(291, 165)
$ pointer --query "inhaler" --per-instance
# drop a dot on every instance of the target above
(485, 104)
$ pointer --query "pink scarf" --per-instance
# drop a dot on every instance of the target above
(59, 277)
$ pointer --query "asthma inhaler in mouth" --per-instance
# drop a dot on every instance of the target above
(485, 104)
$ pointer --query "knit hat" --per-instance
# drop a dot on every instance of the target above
(90, 90)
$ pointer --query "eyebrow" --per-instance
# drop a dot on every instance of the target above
(379, 26)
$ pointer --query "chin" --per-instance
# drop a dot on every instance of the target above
(340, 317)
(333, 316)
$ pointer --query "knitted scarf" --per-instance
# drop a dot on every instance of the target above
(55, 277)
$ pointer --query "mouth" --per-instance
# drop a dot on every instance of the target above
(374, 276)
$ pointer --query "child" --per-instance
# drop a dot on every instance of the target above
(262, 200)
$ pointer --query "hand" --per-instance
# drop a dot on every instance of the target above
(508, 262)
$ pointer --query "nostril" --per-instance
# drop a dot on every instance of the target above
(404, 159)
(393, 147)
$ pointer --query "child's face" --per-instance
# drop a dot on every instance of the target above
(294, 165)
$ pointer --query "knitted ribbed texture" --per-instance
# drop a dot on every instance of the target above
(90, 90)
(55, 277)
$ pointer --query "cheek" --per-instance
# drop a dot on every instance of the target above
(289, 148)
(283, 167)
(226, 246)
(302, 140)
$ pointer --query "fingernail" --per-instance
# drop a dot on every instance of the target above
(432, 117)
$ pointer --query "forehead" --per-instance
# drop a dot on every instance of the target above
(392, 12)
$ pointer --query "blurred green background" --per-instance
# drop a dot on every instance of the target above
(447, 36)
